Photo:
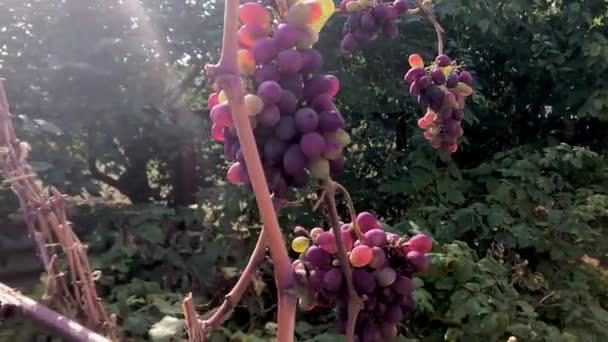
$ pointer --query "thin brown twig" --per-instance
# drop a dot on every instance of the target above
(431, 17)
(354, 301)
(351, 208)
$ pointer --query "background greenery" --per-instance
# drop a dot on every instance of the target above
(110, 96)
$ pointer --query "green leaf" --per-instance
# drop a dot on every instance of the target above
(490, 265)
(152, 233)
(166, 329)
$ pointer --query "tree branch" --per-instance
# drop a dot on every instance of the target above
(12, 300)
(354, 301)
(426, 10)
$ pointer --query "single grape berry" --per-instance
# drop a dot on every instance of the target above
(366, 221)
(416, 61)
(443, 60)
(300, 244)
(360, 256)
(332, 280)
(327, 241)
(317, 257)
(421, 243)
(315, 232)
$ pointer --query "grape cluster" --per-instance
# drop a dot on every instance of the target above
(443, 87)
(383, 265)
(366, 21)
(298, 129)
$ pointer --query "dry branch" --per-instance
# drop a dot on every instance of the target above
(73, 292)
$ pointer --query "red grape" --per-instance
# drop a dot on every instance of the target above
(421, 243)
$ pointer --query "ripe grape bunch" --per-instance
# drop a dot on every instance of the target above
(443, 87)
(383, 265)
(298, 129)
(367, 20)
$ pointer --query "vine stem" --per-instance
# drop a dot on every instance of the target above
(228, 79)
(235, 295)
(354, 301)
(438, 29)
(66, 328)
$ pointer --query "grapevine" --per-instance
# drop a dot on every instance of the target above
(274, 111)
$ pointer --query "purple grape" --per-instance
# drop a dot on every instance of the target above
(375, 238)
(273, 150)
(366, 221)
(380, 12)
(390, 29)
(408, 304)
(378, 258)
(336, 166)
(286, 36)
(418, 261)
(370, 303)
(438, 77)
(458, 115)
(269, 116)
(317, 257)
(415, 88)
(269, 91)
(414, 74)
(370, 332)
(307, 120)
(364, 281)
(294, 161)
(315, 279)
(388, 331)
(330, 121)
(289, 61)
(264, 51)
(466, 78)
(400, 6)
(266, 72)
(353, 20)
(348, 44)
(312, 144)
(229, 151)
(424, 81)
(393, 314)
(332, 280)
(443, 60)
(229, 133)
(300, 180)
(385, 276)
(288, 103)
(293, 83)
(403, 285)
(367, 21)
(451, 81)
(286, 128)
(312, 61)
(323, 102)
(445, 113)
(333, 149)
